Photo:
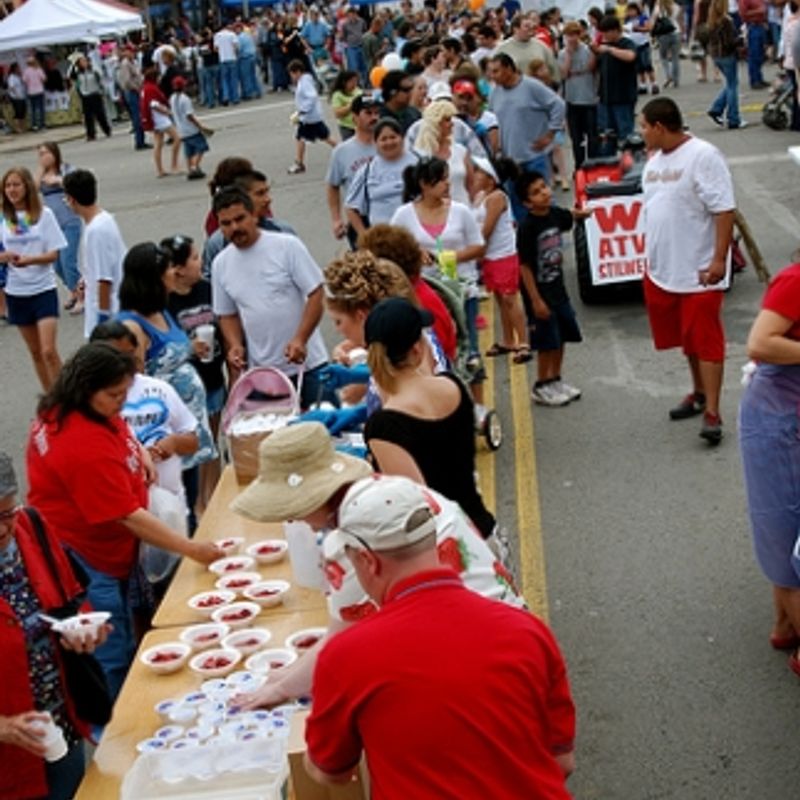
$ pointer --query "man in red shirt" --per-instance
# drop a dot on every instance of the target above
(449, 694)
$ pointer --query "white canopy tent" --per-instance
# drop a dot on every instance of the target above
(39, 23)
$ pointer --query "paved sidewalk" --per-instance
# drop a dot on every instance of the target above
(28, 141)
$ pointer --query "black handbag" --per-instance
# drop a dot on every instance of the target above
(86, 683)
(663, 26)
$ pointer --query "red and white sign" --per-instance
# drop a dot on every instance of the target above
(615, 239)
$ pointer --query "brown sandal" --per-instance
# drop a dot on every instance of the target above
(523, 355)
(498, 349)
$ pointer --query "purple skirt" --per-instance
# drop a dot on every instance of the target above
(769, 437)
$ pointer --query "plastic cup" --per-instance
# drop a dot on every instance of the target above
(448, 263)
(53, 740)
(205, 334)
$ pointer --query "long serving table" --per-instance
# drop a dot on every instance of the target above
(134, 717)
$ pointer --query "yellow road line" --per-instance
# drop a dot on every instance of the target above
(749, 107)
(529, 519)
(485, 458)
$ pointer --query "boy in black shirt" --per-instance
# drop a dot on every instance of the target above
(550, 313)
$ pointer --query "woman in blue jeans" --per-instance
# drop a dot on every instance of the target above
(49, 179)
(722, 46)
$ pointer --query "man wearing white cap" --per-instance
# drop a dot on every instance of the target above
(450, 694)
(302, 477)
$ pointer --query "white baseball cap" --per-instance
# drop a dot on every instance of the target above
(382, 512)
(440, 91)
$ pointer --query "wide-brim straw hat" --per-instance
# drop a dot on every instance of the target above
(299, 470)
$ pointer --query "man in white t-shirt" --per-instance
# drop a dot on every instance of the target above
(689, 210)
(267, 291)
(103, 249)
(226, 43)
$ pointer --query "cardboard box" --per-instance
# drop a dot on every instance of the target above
(304, 787)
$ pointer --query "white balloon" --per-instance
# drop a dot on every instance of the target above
(392, 61)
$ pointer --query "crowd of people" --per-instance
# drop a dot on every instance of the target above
(445, 186)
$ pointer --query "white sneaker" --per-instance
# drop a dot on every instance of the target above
(573, 392)
(549, 395)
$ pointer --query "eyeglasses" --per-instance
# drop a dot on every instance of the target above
(8, 516)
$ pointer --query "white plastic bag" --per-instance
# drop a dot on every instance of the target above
(155, 562)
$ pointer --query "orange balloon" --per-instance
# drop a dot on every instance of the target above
(474, 5)
(376, 76)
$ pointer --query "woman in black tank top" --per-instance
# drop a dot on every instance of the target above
(426, 426)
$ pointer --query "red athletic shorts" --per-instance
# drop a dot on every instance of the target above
(690, 321)
(501, 275)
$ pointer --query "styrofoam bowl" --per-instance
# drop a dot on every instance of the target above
(231, 545)
(267, 593)
(237, 615)
(200, 604)
(82, 626)
(223, 566)
(271, 659)
(238, 581)
(165, 658)
(300, 641)
(247, 641)
(201, 637)
(268, 551)
(209, 662)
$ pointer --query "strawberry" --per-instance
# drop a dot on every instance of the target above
(504, 576)
(450, 554)
(334, 573)
(357, 611)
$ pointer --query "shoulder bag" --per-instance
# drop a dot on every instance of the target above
(86, 683)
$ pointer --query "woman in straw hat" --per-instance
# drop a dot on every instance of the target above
(302, 477)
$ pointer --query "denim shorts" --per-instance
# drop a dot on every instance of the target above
(215, 400)
(558, 329)
(26, 311)
(194, 145)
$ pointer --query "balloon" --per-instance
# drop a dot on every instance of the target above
(376, 76)
(474, 5)
(392, 61)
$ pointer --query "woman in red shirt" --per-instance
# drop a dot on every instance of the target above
(88, 477)
(157, 118)
(769, 432)
(31, 676)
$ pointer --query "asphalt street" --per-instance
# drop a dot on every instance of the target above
(634, 538)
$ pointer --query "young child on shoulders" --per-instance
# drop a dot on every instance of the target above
(551, 316)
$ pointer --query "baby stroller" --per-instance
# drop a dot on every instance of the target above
(260, 402)
(777, 110)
